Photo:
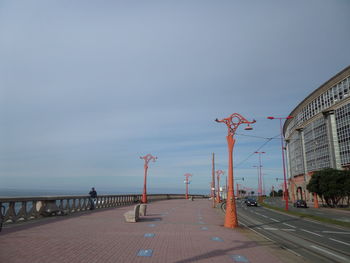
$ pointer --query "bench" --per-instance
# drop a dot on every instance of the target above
(133, 216)
(143, 208)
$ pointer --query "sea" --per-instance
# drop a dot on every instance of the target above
(15, 192)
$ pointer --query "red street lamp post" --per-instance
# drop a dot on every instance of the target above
(315, 201)
(238, 194)
(187, 182)
(263, 183)
(147, 159)
(260, 177)
(258, 168)
(283, 162)
(282, 186)
(218, 173)
(284, 191)
(248, 190)
(213, 180)
(231, 220)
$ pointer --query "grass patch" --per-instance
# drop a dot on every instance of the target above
(317, 218)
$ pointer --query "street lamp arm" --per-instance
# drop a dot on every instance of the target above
(220, 172)
(280, 118)
(187, 175)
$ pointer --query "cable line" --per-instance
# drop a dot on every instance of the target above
(267, 141)
(259, 137)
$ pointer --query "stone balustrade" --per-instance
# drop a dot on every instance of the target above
(19, 209)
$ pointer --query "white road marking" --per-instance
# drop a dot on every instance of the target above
(311, 232)
(330, 253)
(257, 232)
(292, 251)
(264, 216)
(335, 232)
(289, 225)
(287, 229)
(340, 241)
(274, 219)
(270, 228)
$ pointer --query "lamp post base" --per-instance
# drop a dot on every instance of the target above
(286, 199)
(144, 199)
(231, 220)
(315, 201)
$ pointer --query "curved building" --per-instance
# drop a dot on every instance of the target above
(319, 134)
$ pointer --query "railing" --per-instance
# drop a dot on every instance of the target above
(17, 209)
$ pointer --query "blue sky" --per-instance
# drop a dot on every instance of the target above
(87, 87)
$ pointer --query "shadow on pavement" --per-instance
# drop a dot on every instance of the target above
(220, 252)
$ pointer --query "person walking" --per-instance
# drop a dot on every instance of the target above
(92, 199)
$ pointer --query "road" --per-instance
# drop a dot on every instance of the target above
(316, 242)
(331, 213)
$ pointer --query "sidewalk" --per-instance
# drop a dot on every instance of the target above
(178, 231)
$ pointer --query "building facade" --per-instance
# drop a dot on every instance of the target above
(318, 135)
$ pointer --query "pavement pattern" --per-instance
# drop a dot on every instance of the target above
(178, 231)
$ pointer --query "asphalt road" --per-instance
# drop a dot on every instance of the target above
(316, 242)
(323, 212)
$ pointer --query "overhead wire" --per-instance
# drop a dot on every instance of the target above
(267, 141)
(259, 137)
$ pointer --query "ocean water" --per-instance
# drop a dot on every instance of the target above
(12, 192)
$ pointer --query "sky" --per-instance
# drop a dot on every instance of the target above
(87, 87)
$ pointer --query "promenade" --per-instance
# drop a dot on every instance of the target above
(173, 231)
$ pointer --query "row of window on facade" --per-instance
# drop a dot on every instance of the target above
(317, 145)
(325, 100)
(342, 117)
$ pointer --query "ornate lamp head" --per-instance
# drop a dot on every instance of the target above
(233, 121)
(148, 158)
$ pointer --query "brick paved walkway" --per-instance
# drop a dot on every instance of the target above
(178, 231)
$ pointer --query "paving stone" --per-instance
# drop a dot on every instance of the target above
(239, 258)
(145, 253)
(217, 239)
(102, 236)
